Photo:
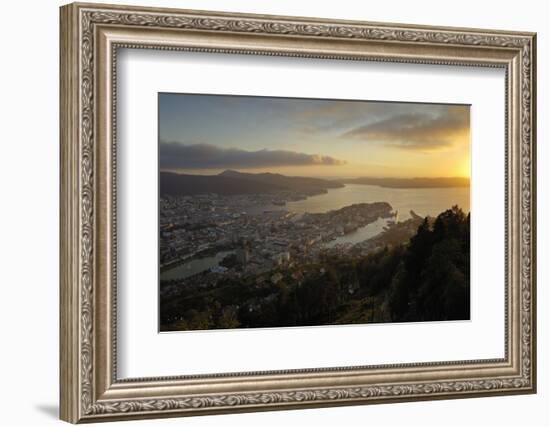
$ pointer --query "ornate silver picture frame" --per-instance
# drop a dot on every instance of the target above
(91, 36)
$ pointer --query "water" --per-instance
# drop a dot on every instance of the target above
(423, 201)
(361, 234)
(194, 266)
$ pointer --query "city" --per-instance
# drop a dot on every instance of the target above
(219, 238)
(281, 212)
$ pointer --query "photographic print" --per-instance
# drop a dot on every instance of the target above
(285, 212)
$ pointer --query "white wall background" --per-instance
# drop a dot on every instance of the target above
(29, 170)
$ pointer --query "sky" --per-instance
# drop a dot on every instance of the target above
(207, 134)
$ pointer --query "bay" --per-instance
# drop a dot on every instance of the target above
(423, 201)
(194, 266)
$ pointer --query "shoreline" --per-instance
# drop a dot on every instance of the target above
(334, 224)
(196, 256)
(315, 204)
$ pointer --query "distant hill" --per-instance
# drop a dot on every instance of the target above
(411, 182)
(232, 182)
(188, 185)
(296, 183)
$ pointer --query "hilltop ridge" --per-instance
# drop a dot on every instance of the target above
(231, 182)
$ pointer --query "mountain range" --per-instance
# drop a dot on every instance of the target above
(232, 182)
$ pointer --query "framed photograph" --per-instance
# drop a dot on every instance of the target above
(265, 212)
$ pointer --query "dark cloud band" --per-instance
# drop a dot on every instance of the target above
(173, 155)
(416, 131)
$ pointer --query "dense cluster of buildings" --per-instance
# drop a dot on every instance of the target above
(257, 238)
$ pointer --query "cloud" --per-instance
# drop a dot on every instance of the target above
(422, 131)
(174, 155)
(331, 117)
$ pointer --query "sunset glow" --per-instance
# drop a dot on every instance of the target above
(206, 134)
